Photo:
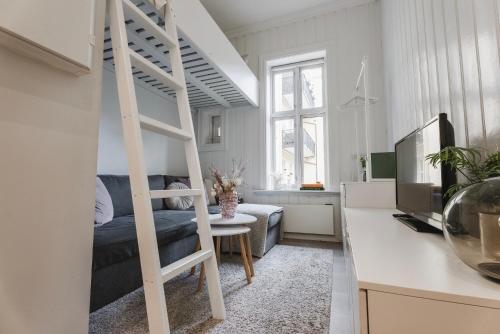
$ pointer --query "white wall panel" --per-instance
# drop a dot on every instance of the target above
(348, 35)
(443, 56)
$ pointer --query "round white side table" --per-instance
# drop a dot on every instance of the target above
(229, 228)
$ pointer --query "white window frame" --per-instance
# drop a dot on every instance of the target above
(298, 114)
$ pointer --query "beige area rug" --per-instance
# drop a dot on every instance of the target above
(290, 293)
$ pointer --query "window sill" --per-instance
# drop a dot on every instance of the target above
(297, 192)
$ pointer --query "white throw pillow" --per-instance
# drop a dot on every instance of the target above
(103, 204)
(181, 202)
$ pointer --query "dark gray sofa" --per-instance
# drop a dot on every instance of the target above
(116, 265)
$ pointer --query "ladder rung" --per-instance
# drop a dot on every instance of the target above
(176, 268)
(131, 11)
(175, 193)
(151, 69)
(153, 125)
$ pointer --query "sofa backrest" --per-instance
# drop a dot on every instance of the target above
(119, 189)
(182, 179)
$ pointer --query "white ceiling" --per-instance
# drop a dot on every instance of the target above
(233, 14)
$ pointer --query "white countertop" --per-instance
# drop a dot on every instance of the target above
(391, 257)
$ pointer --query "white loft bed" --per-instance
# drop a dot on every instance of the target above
(216, 75)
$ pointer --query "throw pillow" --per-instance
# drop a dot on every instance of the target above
(103, 204)
(181, 202)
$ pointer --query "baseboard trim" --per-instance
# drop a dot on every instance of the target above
(314, 237)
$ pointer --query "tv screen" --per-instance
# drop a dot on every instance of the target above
(419, 186)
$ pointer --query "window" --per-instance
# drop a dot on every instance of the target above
(298, 123)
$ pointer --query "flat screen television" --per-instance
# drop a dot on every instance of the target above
(420, 188)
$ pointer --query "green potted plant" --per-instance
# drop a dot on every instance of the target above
(467, 162)
(471, 218)
(362, 162)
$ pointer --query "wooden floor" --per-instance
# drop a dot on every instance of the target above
(340, 314)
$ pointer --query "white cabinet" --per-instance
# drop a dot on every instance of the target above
(58, 32)
(357, 296)
(394, 314)
(402, 281)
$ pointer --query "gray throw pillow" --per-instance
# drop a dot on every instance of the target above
(103, 204)
(178, 203)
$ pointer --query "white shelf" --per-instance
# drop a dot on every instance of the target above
(216, 75)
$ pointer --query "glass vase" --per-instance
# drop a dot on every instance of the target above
(471, 224)
(228, 202)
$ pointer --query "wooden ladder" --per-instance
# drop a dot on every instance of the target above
(153, 275)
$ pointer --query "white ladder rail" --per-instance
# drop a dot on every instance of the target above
(193, 163)
(153, 275)
(153, 125)
(156, 305)
(175, 193)
(131, 11)
(184, 264)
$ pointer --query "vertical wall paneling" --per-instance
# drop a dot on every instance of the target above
(431, 57)
(424, 66)
(443, 56)
(456, 73)
(487, 27)
(472, 80)
(347, 35)
(417, 85)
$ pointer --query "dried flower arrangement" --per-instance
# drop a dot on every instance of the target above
(225, 183)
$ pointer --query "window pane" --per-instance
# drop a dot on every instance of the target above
(312, 87)
(216, 130)
(283, 91)
(313, 163)
(284, 148)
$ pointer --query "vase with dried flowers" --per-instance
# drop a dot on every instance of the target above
(225, 188)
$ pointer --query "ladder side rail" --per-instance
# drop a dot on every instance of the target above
(193, 163)
(146, 233)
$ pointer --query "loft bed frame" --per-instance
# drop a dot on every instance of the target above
(216, 75)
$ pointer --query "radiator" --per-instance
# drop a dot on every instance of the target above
(309, 219)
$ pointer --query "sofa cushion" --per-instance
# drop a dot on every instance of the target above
(182, 179)
(157, 182)
(116, 241)
(119, 189)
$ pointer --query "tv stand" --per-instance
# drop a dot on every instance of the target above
(403, 282)
(416, 224)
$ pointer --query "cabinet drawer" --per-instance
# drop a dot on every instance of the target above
(396, 314)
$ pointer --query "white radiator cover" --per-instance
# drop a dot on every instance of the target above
(309, 219)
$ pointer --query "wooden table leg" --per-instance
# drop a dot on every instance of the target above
(249, 254)
(230, 245)
(218, 249)
(196, 248)
(244, 259)
(201, 280)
